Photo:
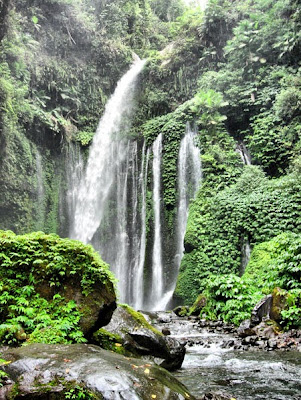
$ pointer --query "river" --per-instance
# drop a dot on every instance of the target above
(245, 375)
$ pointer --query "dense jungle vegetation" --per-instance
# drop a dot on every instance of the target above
(233, 70)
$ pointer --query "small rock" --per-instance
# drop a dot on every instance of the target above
(166, 331)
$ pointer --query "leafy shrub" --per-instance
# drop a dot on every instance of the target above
(36, 263)
(230, 298)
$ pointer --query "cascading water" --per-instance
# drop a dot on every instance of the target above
(110, 187)
(138, 287)
(244, 153)
(74, 172)
(40, 191)
(97, 182)
(157, 267)
(189, 178)
(245, 256)
(109, 202)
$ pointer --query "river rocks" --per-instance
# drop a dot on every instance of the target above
(245, 329)
(49, 371)
(181, 311)
(140, 338)
(198, 305)
(216, 396)
(261, 310)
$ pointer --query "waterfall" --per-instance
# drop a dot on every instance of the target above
(40, 191)
(96, 185)
(108, 200)
(138, 289)
(157, 267)
(244, 153)
(74, 172)
(105, 201)
(245, 256)
(189, 178)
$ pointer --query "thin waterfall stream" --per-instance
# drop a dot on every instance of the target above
(188, 182)
(157, 267)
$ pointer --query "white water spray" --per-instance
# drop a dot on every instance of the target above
(157, 267)
(138, 287)
(96, 184)
(189, 179)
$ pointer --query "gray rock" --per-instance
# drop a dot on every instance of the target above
(140, 338)
(261, 310)
(245, 329)
(216, 396)
(38, 369)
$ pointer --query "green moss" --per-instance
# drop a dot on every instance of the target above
(198, 305)
(140, 319)
(110, 341)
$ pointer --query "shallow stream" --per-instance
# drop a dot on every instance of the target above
(243, 374)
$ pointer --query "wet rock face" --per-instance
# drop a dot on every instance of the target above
(261, 310)
(140, 338)
(216, 396)
(47, 371)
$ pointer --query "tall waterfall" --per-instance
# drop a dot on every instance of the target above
(157, 267)
(107, 197)
(138, 287)
(111, 206)
(189, 179)
(40, 191)
(96, 185)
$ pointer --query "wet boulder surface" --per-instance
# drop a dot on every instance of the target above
(42, 371)
(142, 339)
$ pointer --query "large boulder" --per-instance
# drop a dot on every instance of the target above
(130, 329)
(48, 279)
(46, 372)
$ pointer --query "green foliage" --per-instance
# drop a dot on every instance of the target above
(31, 265)
(275, 263)
(85, 138)
(109, 341)
(77, 392)
(3, 376)
(255, 208)
(230, 297)
(291, 318)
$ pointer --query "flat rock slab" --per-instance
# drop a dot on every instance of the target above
(41, 368)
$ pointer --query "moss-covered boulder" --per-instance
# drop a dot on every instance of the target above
(129, 333)
(52, 290)
(198, 305)
(80, 371)
(279, 303)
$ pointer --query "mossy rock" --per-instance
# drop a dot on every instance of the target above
(59, 283)
(181, 311)
(138, 338)
(279, 303)
(198, 305)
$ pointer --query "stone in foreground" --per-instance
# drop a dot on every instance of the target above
(46, 372)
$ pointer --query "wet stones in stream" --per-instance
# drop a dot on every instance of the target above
(41, 371)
